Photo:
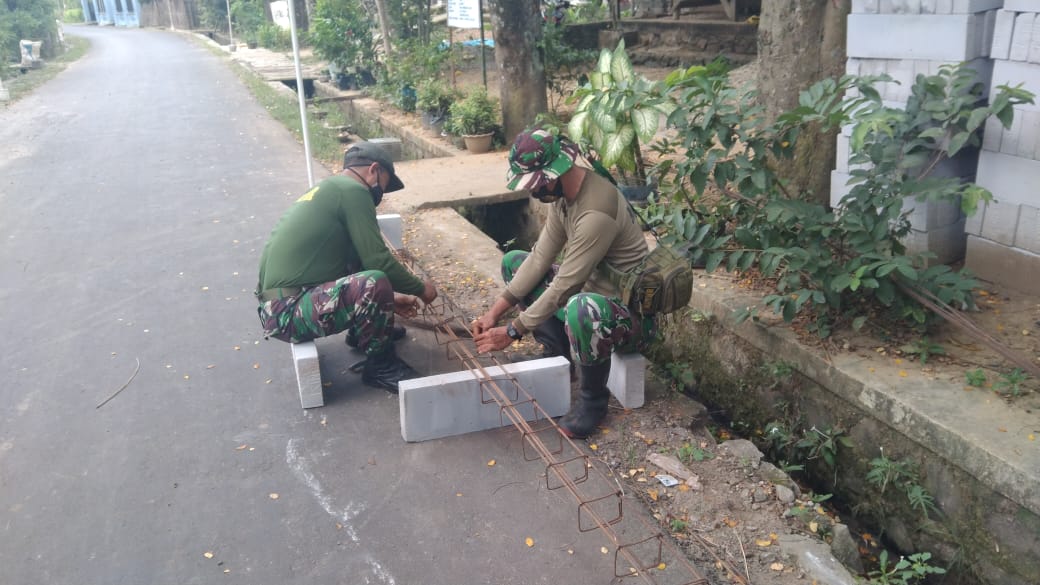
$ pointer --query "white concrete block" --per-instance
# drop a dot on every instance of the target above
(955, 37)
(839, 187)
(928, 6)
(1021, 5)
(1003, 29)
(1030, 132)
(1000, 222)
(899, 7)
(450, 404)
(864, 6)
(943, 6)
(1020, 39)
(1027, 236)
(1011, 179)
(1013, 73)
(992, 135)
(1009, 142)
(946, 243)
(931, 215)
(987, 39)
(393, 229)
(1034, 42)
(973, 223)
(971, 6)
(627, 379)
(308, 374)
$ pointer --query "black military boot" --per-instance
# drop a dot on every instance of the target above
(396, 333)
(583, 418)
(386, 370)
(553, 337)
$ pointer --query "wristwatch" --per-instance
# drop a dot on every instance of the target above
(513, 333)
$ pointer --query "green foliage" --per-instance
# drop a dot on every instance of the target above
(616, 110)
(1011, 382)
(413, 62)
(73, 14)
(274, 37)
(907, 571)
(474, 114)
(341, 33)
(975, 377)
(885, 472)
(677, 525)
(842, 266)
(563, 64)
(247, 17)
(435, 95)
(791, 447)
(923, 348)
(688, 453)
(27, 19)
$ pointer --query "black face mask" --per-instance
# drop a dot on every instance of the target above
(376, 191)
(544, 195)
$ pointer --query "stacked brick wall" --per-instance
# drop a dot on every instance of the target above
(1004, 238)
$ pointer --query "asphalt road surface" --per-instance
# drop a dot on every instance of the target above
(136, 191)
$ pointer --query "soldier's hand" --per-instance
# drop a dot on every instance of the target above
(493, 339)
(482, 324)
(429, 292)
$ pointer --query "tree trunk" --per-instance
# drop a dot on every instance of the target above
(517, 26)
(799, 43)
(384, 28)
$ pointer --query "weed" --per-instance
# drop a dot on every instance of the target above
(677, 525)
(885, 472)
(976, 377)
(923, 348)
(1011, 382)
(906, 571)
(688, 453)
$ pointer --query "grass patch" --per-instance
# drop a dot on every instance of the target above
(22, 84)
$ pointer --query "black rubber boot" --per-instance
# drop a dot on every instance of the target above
(386, 370)
(396, 333)
(553, 337)
(591, 408)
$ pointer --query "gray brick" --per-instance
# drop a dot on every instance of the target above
(931, 215)
(1000, 222)
(627, 379)
(944, 6)
(1012, 179)
(1013, 267)
(1030, 132)
(1027, 235)
(972, 6)
(1034, 43)
(946, 243)
(955, 38)
(899, 7)
(973, 223)
(928, 6)
(987, 39)
(450, 404)
(1009, 143)
(992, 135)
(1003, 29)
(1013, 73)
(1021, 5)
(308, 374)
(864, 6)
(1020, 40)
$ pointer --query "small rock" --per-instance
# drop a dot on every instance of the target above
(784, 494)
(759, 495)
(775, 475)
(844, 548)
(743, 450)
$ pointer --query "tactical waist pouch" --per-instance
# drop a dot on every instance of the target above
(661, 283)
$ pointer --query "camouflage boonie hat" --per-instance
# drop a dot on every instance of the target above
(537, 157)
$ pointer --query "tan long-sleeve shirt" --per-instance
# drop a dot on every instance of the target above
(597, 227)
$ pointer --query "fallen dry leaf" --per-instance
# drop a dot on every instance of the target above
(661, 566)
(594, 447)
(273, 496)
(208, 555)
(902, 373)
(653, 494)
(813, 526)
(240, 447)
(529, 542)
(604, 550)
(491, 463)
(777, 566)
(763, 542)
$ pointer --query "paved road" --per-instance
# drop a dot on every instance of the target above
(136, 190)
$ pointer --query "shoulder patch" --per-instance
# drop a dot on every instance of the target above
(308, 195)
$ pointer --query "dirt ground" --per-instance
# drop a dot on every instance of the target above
(732, 513)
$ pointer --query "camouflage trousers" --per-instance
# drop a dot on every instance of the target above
(596, 325)
(361, 304)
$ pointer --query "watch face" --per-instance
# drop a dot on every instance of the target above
(512, 332)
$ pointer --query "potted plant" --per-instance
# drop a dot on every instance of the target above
(433, 99)
(475, 118)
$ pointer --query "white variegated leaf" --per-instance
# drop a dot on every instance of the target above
(620, 66)
(603, 65)
(616, 145)
(645, 122)
(604, 118)
(577, 128)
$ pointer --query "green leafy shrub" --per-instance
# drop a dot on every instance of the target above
(722, 198)
(435, 95)
(274, 37)
(341, 33)
(564, 65)
(475, 114)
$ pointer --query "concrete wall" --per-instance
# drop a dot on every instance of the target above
(1001, 41)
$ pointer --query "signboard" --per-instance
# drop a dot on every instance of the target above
(464, 13)
(280, 13)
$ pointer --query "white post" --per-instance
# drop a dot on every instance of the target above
(231, 38)
(4, 95)
(169, 9)
(300, 94)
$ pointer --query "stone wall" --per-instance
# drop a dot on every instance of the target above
(904, 38)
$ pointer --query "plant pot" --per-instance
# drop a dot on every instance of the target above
(478, 143)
